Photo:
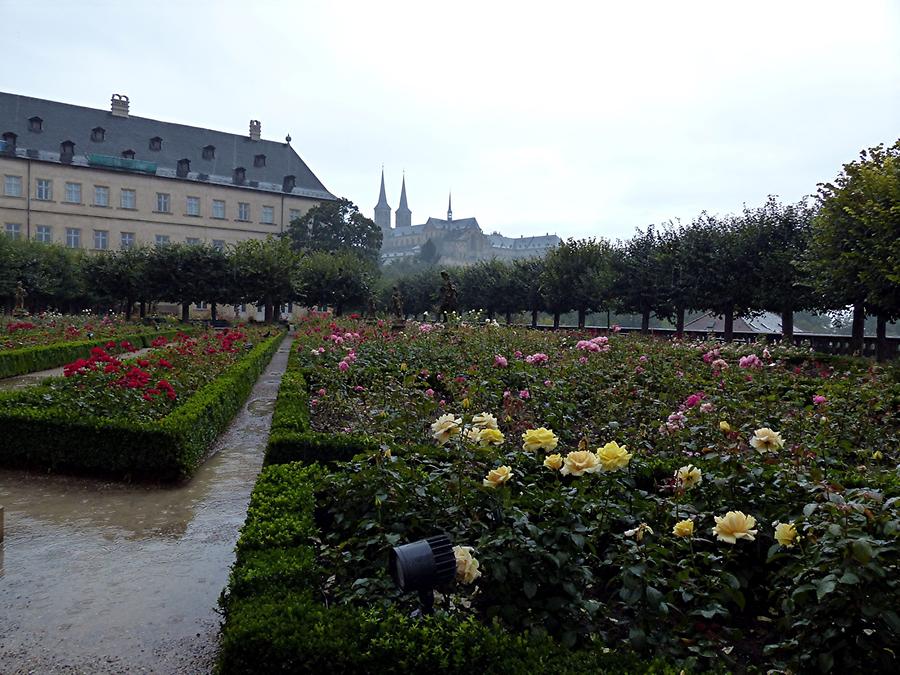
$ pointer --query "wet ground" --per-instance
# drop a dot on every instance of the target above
(99, 577)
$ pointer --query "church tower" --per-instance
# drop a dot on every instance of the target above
(450, 208)
(382, 210)
(403, 216)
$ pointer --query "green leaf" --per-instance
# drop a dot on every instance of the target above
(530, 589)
(849, 578)
(862, 551)
(825, 586)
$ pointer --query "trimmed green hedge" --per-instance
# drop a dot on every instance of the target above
(170, 449)
(43, 357)
(291, 439)
(275, 621)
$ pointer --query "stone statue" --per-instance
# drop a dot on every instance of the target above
(19, 293)
(448, 295)
(397, 304)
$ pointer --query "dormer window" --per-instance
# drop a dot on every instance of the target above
(209, 152)
(35, 124)
(184, 167)
(240, 174)
(128, 154)
(156, 144)
(66, 151)
(259, 160)
(98, 134)
(289, 183)
(10, 139)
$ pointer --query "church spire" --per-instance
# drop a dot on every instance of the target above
(403, 216)
(450, 207)
(382, 209)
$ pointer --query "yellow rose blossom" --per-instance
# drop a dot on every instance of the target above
(554, 462)
(766, 440)
(539, 439)
(580, 462)
(403, 367)
(877, 455)
(471, 434)
(497, 477)
(485, 421)
(639, 532)
(688, 476)
(734, 525)
(724, 426)
(490, 437)
(445, 427)
(466, 565)
(612, 457)
(466, 403)
(786, 534)
(684, 528)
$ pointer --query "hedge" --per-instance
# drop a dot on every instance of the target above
(276, 622)
(43, 357)
(170, 449)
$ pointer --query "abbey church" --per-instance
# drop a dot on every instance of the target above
(457, 242)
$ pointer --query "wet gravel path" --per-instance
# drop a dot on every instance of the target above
(100, 577)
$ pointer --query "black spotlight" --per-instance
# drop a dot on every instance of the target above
(422, 566)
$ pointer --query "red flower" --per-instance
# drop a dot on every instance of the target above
(164, 364)
(143, 363)
(159, 342)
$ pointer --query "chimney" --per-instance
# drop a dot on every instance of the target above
(255, 130)
(119, 105)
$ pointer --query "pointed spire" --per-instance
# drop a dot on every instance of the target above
(403, 204)
(403, 216)
(382, 209)
(382, 196)
(450, 207)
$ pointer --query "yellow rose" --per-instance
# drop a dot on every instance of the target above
(580, 462)
(444, 427)
(734, 525)
(539, 439)
(877, 455)
(485, 421)
(497, 477)
(639, 532)
(786, 534)
(466, 565)
(724, 426)
(688, 476)
(684, 528)
(490, 437)
(612, 457)
(553, 462)
(466, 403)
(403, 367)
(766, 440)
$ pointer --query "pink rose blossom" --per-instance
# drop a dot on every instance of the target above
(616, 328)
(639, 370)
(643, 358)
(547, 383)
(429, 392)
(707, 407)
(321, 392)
(500, 361)
(750, 361)
(818, 399)
(583, 360)
(518, 354)
(359, 388)
(524, 393)
(343, 366)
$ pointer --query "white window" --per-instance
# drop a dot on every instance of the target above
(128, 200)
(13, 230)
(73, 237)
(218, 208)
(101, 195)
(12, 186)
(218, 244)
(192, 241)
(44, 189)
(193, 206)
(293, 214)
(127, 241)
(163, 202)
(73, 193)
(268, 215)
(44, 234)
(162, 239)
(243, 211)
(101, 240)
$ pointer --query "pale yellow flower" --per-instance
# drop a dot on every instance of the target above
(688, 476)
(612, 457)
(485, 421)
(497, 477)
(580, 462)
(472, 434)
(539, 439)
(786, 534)
(724, 426)
(466, 403)
(403, 367)
(766, 440)
(878, 455)
(639, 532)
(490, 436)
(445, 427)
(734, 525)
(684, 528)
(466, 565)
(554, 462)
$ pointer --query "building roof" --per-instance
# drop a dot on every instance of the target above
(767, 322)
(65, 122)
(516, 243)
(455, 224)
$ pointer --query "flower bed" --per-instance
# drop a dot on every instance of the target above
(712, 505)
(153, 417)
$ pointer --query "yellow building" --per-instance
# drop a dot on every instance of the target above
(104, 179)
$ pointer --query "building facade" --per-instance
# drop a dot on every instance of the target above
(104, 179)
(456, 242)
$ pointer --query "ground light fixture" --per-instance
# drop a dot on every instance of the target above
(423, 566)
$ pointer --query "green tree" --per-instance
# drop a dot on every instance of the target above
(339, 280)
(118, 275)
(578, 275)
(526, 279)
(263, 270)
(642, 273)
(335, 226)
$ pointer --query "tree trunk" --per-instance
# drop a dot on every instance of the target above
(581, 316)
(859, 328)
(645, 321)
(881, 339)
(508, 318)
(128, 308)
(213, 313)
(490, 315)
(143, 309)
(787, 325)
(679, 321)
(269, 312)
(339, 309)
(534, 314)
(185, 312)
(556, 319)
(729, 324)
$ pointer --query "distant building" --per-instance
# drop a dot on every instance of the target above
(767, 322)
(457, 241)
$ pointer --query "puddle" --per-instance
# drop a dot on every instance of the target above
(103, 577)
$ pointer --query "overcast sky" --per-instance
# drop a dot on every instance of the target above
(579, 118)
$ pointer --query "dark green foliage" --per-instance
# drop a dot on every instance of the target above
(336, 226)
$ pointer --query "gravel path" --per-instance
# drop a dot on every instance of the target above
(100, 577)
